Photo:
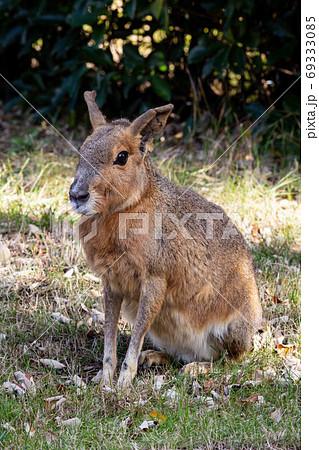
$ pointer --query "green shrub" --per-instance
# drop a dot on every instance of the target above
(226, 57)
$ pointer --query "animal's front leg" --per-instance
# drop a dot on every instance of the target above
(112, 307)
(152, 296)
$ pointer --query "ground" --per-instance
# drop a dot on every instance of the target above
(248, 404)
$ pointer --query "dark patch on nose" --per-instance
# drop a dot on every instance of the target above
(79, 192)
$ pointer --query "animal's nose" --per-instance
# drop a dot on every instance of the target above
(78, 194)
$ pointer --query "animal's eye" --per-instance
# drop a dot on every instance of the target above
(121, 158)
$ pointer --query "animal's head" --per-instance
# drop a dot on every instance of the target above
(112, 170)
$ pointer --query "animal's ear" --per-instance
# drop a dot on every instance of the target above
(152, 121)
(148, 124)
(96, 117)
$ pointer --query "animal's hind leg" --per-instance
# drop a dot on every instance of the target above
(239, 338)
(149, 357)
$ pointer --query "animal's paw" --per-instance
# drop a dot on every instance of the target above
(196, 368)
(127, 375)
(150, 357)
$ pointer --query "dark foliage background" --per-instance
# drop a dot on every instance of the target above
(224, 57)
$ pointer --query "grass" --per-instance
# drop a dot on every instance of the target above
(36, 171)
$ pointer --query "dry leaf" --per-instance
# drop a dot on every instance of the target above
(254, 398)
(8, 427)
(5, 254)
(256, 234)
(208, 401)
(91, 277)
(171, 395)
(278, 340)
(285, 350)
(140, 401)
(214, 395)
(147, 424)
(276, 300)
(52, 363)
(50, 437)
(196, 387)
(158, 382)
(279, 319)
(60, 317)
(95, 293)
(126, 423)
(69, 273)
(29, 429)
(13, 388)
(26, 381)
(276, 415)
(77, 381)
(33, 229)
(264, 374)
(293, 366)
(158, 416)
(84, 308)
(71, 423)
(196, 368)
(55, 402)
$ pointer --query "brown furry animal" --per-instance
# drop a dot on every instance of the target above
(170, 261)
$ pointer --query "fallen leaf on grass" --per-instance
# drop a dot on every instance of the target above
(158, 416)
(264, 374)
(33, 229)
(71, 423)
(276, 415)
(60, 317)
(285, 350)
(147, 424)
(196, 387)
(26, 381)
(254, 398)
(91, 277)
(50, 437)
(141, 402)
(208, 401)
(55, 402)
(29, 429)
(78, 382)
(158, 382)
(69, 273)
(279, 319)
(171, 395)
(53, 363)
(13, 388)
(126, 423)
(95, 293)
(195, 369)
(276, 300)
(279, 339)
(256, 234)
(293, 368)
(8, 427)
(215, 395)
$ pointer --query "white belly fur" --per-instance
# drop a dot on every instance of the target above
(171, 332)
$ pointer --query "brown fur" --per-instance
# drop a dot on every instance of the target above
(195, 297)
